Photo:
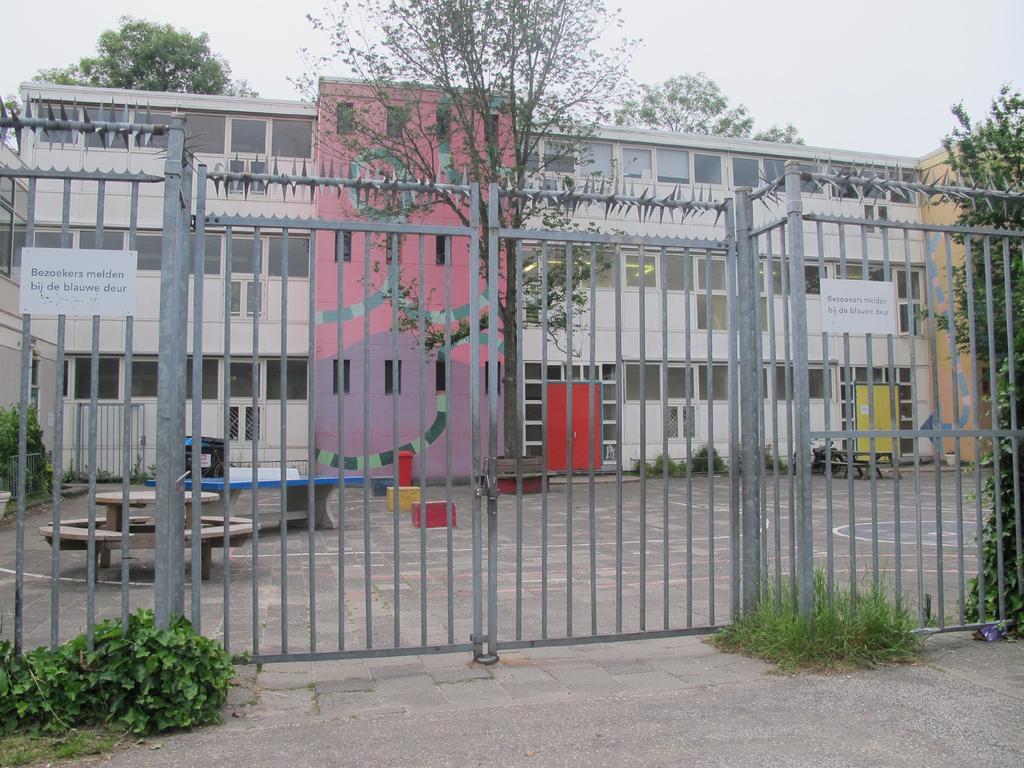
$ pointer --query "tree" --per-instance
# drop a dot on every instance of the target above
(144, 56)
(695, 104)
(505, 74)
(991, 153)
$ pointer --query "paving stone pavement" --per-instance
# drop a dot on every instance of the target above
(653, 702)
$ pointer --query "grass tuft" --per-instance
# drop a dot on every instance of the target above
(845, 634)
(25, 749)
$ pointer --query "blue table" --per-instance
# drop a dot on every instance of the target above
(296, 492)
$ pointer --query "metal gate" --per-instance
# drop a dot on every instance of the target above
(110, 432)
(699, 501)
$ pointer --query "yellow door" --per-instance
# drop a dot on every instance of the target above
(881, 394)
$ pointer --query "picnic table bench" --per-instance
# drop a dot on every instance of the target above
(296, 489)
(861, 461)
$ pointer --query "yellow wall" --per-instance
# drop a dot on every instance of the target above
(932, 168)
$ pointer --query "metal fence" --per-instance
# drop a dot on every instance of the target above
(717, 328)
(36, 480)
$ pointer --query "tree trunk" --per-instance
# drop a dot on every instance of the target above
(510, 403)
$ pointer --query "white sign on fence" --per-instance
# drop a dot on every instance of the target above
(78, 282)
(858, 306)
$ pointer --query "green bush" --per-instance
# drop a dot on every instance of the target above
(699, 461)
(845, 633)
(40, 480)
(143, 680)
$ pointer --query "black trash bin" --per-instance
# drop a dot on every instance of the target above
(211, 456)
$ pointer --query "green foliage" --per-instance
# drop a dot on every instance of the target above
(30, 749)
(991, 152)
(699, 461)
(844, 634)
(695, 104)
(142, 55)
(143, 680)
(39, 479)
(698, 464)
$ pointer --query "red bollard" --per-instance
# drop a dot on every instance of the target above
(405, 468)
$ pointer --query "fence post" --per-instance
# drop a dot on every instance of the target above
(734, 410)
(750, 370)
(493, 329)
(170, 395)
(801, 393)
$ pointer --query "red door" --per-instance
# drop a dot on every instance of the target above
(586, 425)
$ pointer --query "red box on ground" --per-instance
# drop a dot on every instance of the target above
(405, 468)
(436, 514)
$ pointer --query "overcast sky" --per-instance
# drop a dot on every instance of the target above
(871, 75)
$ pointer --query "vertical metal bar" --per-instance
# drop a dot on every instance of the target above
(850, 424)
(19, 543)
(570, 442)
(394, 271)
(710, 358)
(168, 452)
(473, 274)
(894, 415)
(126, 427)
(1015, 441)
(91, 559)
(690, 427)
(830, 576)
(734, 410)
(544, 443)
(620, 382)
(802, 412)
(311, 457)
(198, 279)
(872, 465)
(642, 269)
(595, 399)
(750, 406)
(997, 474)
(662, 276)
(917, 452)
(254, 430)
(955, 375)
(367, 552)
(520, 426)
(773, 375)
(283, 448)
(339, 250)
(787, 374)
(421, 441)
(181, 235)
(493, 273)
(448, 438)
(938, 443)
(226, 400)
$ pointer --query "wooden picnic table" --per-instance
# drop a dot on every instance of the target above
(113, 503)
(861, 461)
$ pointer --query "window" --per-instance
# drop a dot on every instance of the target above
(396, 119)
(211, 383)
(109, 378)
(292, 138)
(909, 307)
(717, 270)
(596, 159)
(812, 280)
(150, 248)
(242, 256)
(443, 123)
(110, 241)
(558, 157)
(677, 383)
(144, 378)
(873, 211)
(632, 259)
(533, 158)
(746, 172)
(818, 385)
(248, 135)
(674, 166)
(296, 384)
(636, 163)
(205, 133)
(155, 118)
(719, 381)
(344, 117)
(774, 168)
(672, 422)
(58, 111)
(392, 384)
(241, 381)
(856, 272)
(211, 264)
(441, 249)
(345, 376)
(707, 169)
(719, 313)
(678, 277)
(298, 256)
(440, 378)
(652, 381)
